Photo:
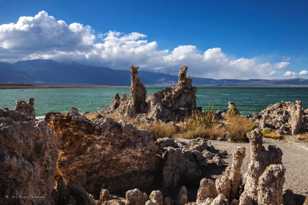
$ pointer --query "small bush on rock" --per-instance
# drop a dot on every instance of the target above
(238, 127)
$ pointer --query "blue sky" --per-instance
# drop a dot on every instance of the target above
(264, 31)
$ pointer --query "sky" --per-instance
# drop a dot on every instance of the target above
(217, 39)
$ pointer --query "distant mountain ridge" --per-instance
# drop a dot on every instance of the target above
(53, 72)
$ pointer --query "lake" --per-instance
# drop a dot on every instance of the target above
(248, 100)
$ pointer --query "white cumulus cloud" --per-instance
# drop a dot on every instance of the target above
(44, 36)
(43, 32)
(303, 73)
(282, 65)
(290, 74)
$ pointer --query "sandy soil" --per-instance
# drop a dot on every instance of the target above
(295, 159)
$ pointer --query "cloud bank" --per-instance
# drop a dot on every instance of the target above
(43, 36)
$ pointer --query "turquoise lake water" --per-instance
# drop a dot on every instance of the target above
(248, 100)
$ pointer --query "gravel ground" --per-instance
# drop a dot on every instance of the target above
(295, 159)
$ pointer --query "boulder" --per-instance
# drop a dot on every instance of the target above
(135, 197)
(206, 190)
(103, 153)
(156, 198)
(184, 162)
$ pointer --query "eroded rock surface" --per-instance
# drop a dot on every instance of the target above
(104, 153)
(28, 156)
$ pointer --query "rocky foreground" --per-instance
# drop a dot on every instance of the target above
(68, 158)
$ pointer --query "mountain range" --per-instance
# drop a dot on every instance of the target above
(53, 72)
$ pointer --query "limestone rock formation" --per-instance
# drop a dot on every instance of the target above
(229, 183)
(206, 190)
(270, 185)
(296, 120)
(260, 160)
(116, 102)
(220, 200)
(232, 109)
(28, 157)
(284, 117)
(27, 108)
(104, 196)
(103, 153)
(263, 182)
(170, 104)
(186, 163)
(156, 198)
(138, 91)
(135, 197)
(174, 103)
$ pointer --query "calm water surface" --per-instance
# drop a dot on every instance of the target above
(248, 100)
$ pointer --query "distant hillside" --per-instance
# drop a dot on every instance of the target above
(52, 72)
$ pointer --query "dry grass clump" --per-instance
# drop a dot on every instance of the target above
(161, 129)
(213, 133)
(199, 119)
(238, 127)
(192, 133)
(216, 132)
(202, 124)
(268, 133)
